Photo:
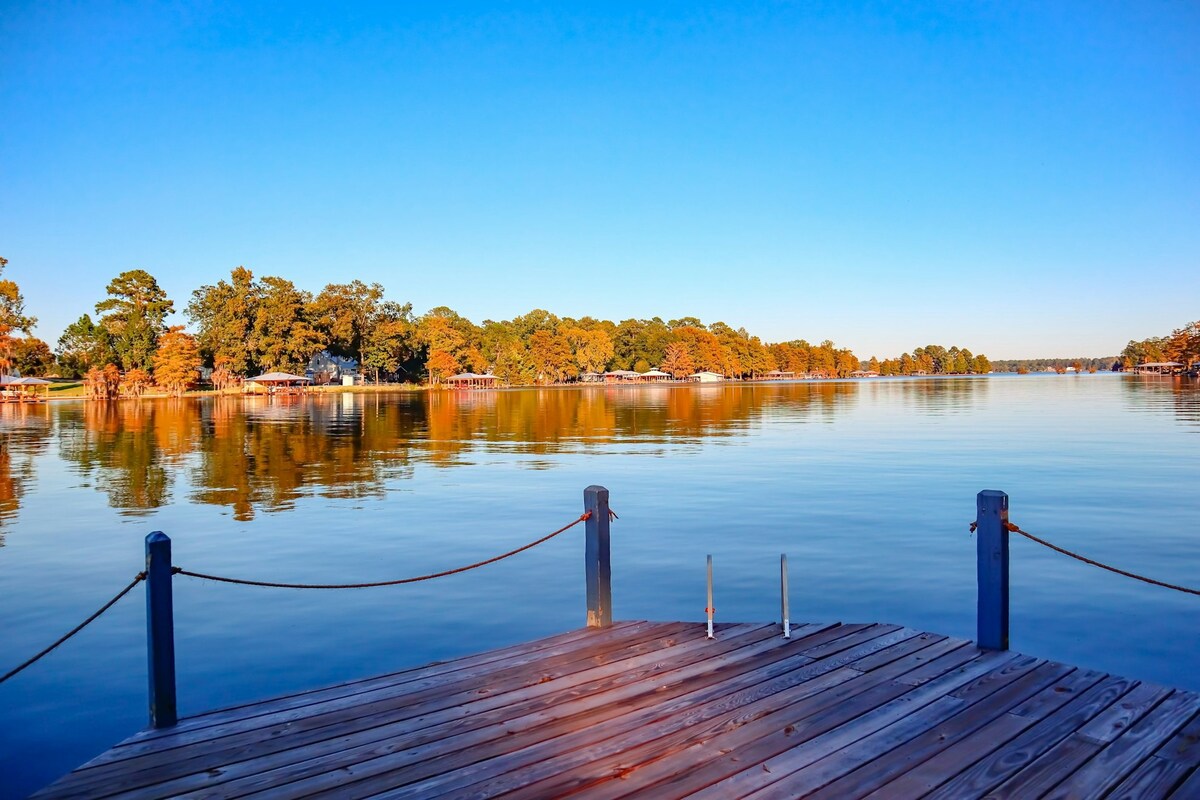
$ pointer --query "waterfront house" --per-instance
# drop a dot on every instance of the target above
(706, 377)
(325, 368)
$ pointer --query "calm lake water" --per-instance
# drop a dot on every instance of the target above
(869, 487)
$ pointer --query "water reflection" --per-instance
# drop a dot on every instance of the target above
(24, 436)
(936, 396)
(265, 453)
(262, 454)
(129, 450)
(1154, 394)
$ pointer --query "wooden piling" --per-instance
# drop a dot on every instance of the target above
(991, 517)
(597, 564)
(160, 631)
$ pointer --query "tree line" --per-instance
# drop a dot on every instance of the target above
(245, 325)
(1181, 345)
(1024, 366)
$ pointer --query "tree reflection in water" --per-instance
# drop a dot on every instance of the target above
(262, 454)
(24, 436)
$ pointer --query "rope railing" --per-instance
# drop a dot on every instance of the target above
(1070, 554)
(279, 585)
(141, 576)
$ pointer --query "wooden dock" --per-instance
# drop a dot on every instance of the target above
(654, 709)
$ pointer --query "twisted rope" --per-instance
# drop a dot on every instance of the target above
(275, 585)
(141, 576)
(1015, 529)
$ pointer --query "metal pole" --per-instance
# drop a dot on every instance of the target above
(991, 517)
(709, 610)
(160, 631)
(783, 595)
(597, 563)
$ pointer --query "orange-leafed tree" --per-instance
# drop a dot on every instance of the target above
(135, 382)
(222, 376)
(551, 357)
(103, 384)
(440, 364)
(177, 361)
(677, 361)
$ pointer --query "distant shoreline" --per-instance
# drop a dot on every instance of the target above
(397, 388)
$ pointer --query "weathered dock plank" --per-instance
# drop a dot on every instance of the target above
(658, 710)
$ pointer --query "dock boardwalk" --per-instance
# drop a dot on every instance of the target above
(654, 709)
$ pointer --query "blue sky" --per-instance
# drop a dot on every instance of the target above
(1022, 179)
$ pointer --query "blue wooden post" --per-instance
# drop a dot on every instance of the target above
(598, 569)
(991, 517)
(160, 631)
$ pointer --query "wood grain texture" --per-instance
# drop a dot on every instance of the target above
(655, 709)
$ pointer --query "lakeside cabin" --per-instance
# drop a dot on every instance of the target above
(706, 377)
(23, 390)
(277, 384)
(471, 380)
(778, 375)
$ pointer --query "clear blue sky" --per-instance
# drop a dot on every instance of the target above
(1022, 179)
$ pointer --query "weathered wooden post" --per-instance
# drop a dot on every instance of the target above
(160, 631)
(991, 519)
(597, 566)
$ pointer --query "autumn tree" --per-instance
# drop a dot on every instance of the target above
(177, 361)
(441, 364)
(442, 330)
(31, 356)
(1147, 351)
(391, 342)
(283, 336)
(640, 341)
(225, 315)
(550, 357)
(135, 382)
(676, 361)
(12, 316)
(506, 353)
(703, 348)
(348, 314)
(134, 315)
(223, 377)
(1183, 345)
(593, 348)
(103, 383)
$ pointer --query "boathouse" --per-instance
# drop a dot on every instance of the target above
(23, 390)
(1158, 368)
(471, 380)
(277, 383)
(706, 377)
